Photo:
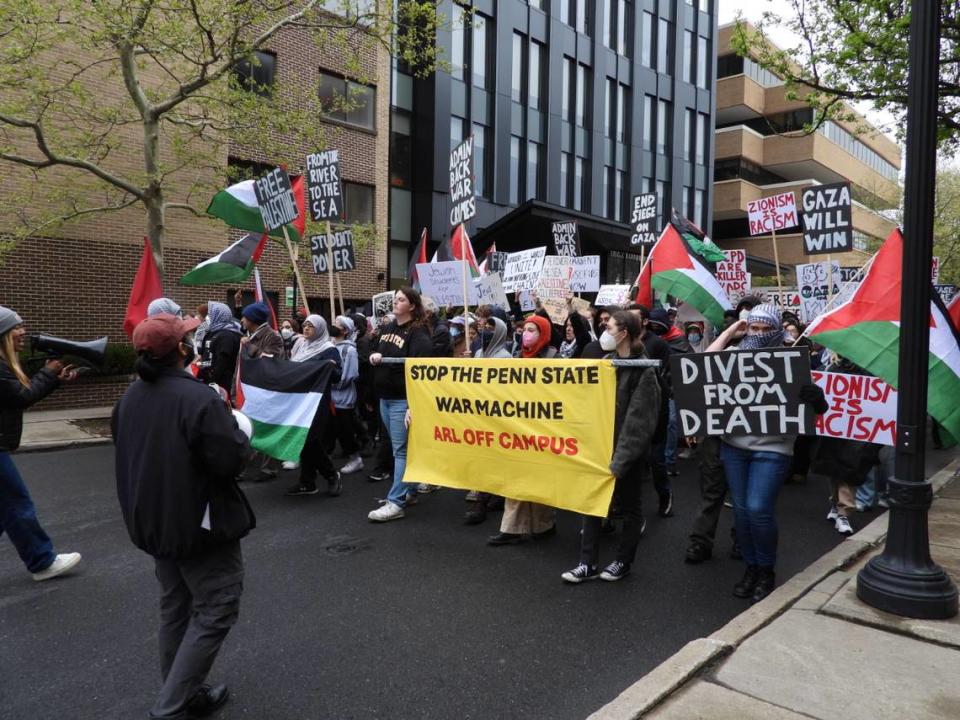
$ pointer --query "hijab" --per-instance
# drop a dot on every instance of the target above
(220, 317)
(349, 328)
(305, 349)
(164, 305)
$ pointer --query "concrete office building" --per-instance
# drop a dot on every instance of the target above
(575, 106)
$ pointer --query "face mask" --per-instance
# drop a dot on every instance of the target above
(287, 333)
(693, 338)
(486, 336)
(455, 332)
(607, 341)
(530, 339)
(335, 331)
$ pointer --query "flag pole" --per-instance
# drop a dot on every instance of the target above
(296, 269)
(829, 278)
(466, 303)
(776, 260)
(333, 300)
(343, 309)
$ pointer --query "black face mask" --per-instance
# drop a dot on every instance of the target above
(335, 331)
(486, 336)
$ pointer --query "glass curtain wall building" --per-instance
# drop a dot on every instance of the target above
(574, 106)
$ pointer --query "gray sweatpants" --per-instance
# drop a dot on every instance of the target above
(199, 603)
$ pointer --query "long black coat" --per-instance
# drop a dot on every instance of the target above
(178, 449)
(637, 414)
(15, 398)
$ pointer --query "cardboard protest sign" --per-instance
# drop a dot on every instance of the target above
(527, 303)
(581, 306)
(742, 392)
(497, 262)
(554, 286)
(534, 430)
(523, 269)
(325, 191)
(789, 299)
(275, 198)
(462, 189)
(946, 292)
(813, 283)
(768, 214)
(565, 239)
(443, 281)
(341, 250)
(382, 305)
(643, 217)
(586, 273)
(612, 295)
(827, 219)
(490, 291)
(861, 408)
(733, 276)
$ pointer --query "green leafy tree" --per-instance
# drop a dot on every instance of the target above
(856, 50)
(84, 81)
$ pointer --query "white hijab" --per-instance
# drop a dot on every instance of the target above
(305, 349)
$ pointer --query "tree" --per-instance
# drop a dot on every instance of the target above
(856, 50)
(86, 85)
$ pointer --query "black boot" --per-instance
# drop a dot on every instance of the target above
(745, 587)
(766, 582)
(478, 513)
(697, 553)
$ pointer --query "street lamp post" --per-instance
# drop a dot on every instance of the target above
(904, 580)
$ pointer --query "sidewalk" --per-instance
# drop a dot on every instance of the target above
(52, 429)
(813, 650)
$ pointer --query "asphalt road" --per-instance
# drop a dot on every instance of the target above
(345, 619)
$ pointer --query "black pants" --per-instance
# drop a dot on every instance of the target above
(199, 603)
(713, 488)
(314, 458)
(631, 505)
(383, 461)
(348, 429)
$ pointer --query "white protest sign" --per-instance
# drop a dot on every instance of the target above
(789, 299)
(382, 305)
(813, 284)
(860, 408)
(443, 281)
(612, 295)
(554, 281)
(586, 273)
(772, 213)
(523, 269)
(490, 291)
(527, 303)
(733, 276)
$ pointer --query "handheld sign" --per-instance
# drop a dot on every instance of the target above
(523, 269)
(275, 198)
(772, 213)
(743, 392)
(565, 239)
(827, 219)
(324, 186)
(462, 190)
(382, 305)
(443, 281)
(935, 270)
(643, 217)
(813, 284)
(490, 291)
(341, 252)
(497, 262)
(733, 276)
(787, 298)
(586, 273)
(860, 408)
(612, 295)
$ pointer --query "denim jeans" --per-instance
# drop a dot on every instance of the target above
(673, 436)
(393, 413)
(18, 518)
(755, 479)
(876, 482)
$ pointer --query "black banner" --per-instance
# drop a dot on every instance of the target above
(497, 262)
(643, 217)
(565, 239)
(275, 198)
(341, 251)
(827, 219)
(742, 392)
(325, 190)
(462, 190)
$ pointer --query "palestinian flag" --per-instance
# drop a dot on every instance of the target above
(866, 330)
(420, 256)
(486, 256)
(672, 270)
(237, 207)
(233, 265)
(458, 247)
(953, 310)
(697, 240)
(280, 398)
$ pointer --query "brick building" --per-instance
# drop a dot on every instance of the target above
(75, 283)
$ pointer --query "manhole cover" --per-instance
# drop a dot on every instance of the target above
(346, 545)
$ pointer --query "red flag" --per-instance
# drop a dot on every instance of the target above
(953, 309)
(644, 286)
(147, 287)
(419, 257)
(296, 182)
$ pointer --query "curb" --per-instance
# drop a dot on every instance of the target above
(61, 444)
(697, 655)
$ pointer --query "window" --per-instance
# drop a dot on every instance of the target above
(688, 133)
(257, 74)
(238, 169)
(583, 17)
(646, 40)
(351, 9)
(358, 203)
(516, 84)
(583, 77)
(662, 201)
(859, 150)
(619, 195)
(621, 113)
(481, 27)
(648, 120)
(480, 159)
(401, 212)
(566, 109)
(705, 6)
(703, 60)
(565, 179)
(581, 174)
(664, 46)
(533, 171)
(609, 24)
(608, 173)
(565, 11)
(698, 208)
(347, 101)
(538, 4)
(458, 57)
(515, 170)
(703, 121)
(688, 66)
(663, 126)
(623, 22)
(456, 131)
(609, 117)
(534, 78)
(401, 150)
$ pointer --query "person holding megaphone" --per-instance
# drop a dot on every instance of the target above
(18, 516)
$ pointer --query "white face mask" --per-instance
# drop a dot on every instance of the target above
(607, 341)
(287, 333)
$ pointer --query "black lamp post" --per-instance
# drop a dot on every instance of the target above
(904, 580)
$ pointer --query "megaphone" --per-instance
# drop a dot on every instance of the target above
(92, 351)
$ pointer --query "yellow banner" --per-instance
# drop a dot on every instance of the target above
(539, 430)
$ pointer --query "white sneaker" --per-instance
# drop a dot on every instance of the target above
(832, 514)
(386, 512)
(472, 496)
(355, 464)
(61, 564)
(290, 465)
(843, 526)
(425, 489)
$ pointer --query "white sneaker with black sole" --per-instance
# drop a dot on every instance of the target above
(615, 571)
(843, 525)
(580, 573)
(833, 513)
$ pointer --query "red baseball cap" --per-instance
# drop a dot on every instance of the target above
(160, 334)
